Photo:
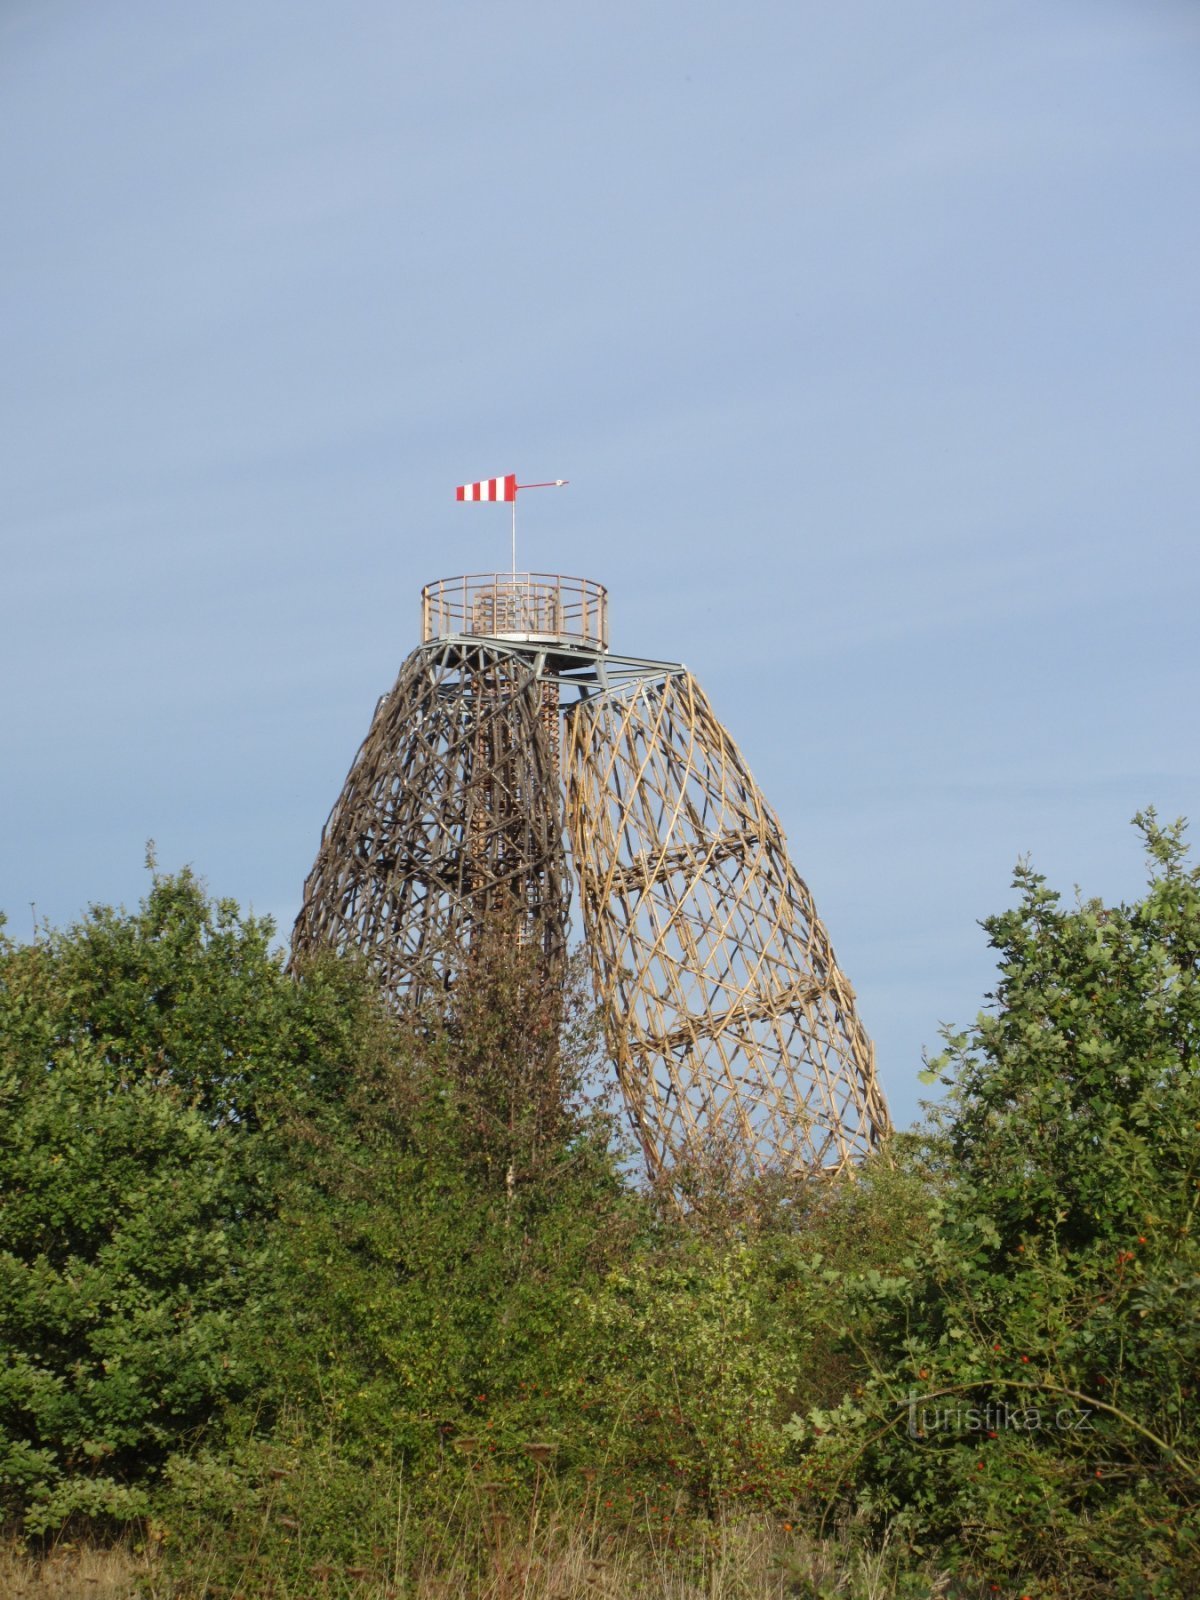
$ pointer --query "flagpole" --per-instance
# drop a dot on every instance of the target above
(499, 489)
(553, 483)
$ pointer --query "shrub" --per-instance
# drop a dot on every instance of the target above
(1027, 1373)
(144, 1060)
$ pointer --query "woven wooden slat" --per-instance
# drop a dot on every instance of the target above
(727, 1016)
(450, 815)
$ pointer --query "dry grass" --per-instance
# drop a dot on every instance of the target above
(74, 1572)
(744, 1559)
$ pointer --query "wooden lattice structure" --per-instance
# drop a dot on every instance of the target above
(726, 1015)
(732, 1021)
(450, 816)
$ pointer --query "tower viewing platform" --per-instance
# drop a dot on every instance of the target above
(523, 607)
(516, 755)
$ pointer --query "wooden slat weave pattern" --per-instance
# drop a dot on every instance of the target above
(727, 1016)
(450, 814)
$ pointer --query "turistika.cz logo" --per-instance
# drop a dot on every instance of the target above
(931, 1415)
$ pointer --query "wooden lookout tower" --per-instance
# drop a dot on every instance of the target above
(517, 755)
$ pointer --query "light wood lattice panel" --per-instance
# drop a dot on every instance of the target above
(451, 814)
(726, 1014)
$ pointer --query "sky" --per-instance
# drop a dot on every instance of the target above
(867, 335)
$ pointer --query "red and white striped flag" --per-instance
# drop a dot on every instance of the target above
(489, 489)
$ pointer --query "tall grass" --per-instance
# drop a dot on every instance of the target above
(544, 1558)
(71, 1570)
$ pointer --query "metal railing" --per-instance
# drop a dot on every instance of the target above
(522, 605)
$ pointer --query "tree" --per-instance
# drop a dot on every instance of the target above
(145, 1059)
(1072, 1112)
(1028, 1377)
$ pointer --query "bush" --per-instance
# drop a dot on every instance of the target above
(144, 1062)
(1026, 1375)
(322, 1291)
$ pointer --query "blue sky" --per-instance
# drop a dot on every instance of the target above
(867, 335)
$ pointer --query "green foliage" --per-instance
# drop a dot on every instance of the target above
(143, 1060)
(686, 1357)
(1026, 1397)
(319, 1292)
(426, 1209)
(446, 1311)
(1075, 1100)
(435, 1222)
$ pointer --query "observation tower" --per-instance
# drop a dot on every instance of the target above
(517, 758)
